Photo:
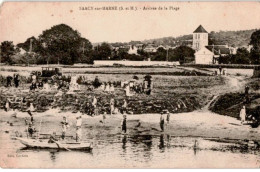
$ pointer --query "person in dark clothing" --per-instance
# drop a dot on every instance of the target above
(31, 130)
(167, 117)
(220, 70)
(31, 115)
(40, 84)
(33, 86)
(124, 124)
(8, 81)
(96, 83)
(247, 94)
(16, 80)
(162, 122)
(247, 90)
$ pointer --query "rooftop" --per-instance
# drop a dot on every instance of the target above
(200, 29)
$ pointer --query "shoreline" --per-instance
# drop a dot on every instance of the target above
(204, 124)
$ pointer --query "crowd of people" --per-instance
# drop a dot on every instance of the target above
(92, 108)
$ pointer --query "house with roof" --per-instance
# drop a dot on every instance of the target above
(133, 50)
(150, 48)
(207, 54)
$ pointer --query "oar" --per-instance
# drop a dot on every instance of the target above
(61, 147)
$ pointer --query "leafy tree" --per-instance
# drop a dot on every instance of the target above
(242, 56)
(105, 51)
(102, 52)
(36, 45)
(62, 43)
(160, 55)
(255, 51)
(180, 53)
(121, 54)
(85, 51)
(226, 59)
(134, 57)
(7, 50)
(142, 53)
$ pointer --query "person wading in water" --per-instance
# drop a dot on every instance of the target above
(162, 122)
(124, 123)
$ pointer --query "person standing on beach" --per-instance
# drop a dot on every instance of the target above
(167, 117)
(16, 80)
(104, 117)
(31, 130)
(79, 121)
(124, 129)
(9, 81)
(107, 88)
(124, 107)
(65, 125)
(243, 115)
(31, 116)
(78, 134)
(94, 103)
(220, 70)
(162, 122)
(78, 128)
(31, 108)
(112, 106)
(112, 88)
(7, 105)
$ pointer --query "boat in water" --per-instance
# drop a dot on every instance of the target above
(44, 144)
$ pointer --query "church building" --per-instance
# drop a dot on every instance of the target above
(206, 54)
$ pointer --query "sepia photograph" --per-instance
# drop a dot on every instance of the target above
(130, 85)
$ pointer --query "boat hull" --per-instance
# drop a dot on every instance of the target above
(40, 144)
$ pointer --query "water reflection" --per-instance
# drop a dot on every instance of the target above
(124, 140)
(161, 142)
(53, 155)
(195, 147)
(144, 150)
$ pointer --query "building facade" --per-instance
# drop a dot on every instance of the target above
(200, 38)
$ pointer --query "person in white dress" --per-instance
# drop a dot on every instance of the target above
(127, 90)
(94, 103)
(112, 88)
(112, 106)
(107, 89)
(46, 87)
(124, 107)
(102, 87)
(79, 121)
(31, 108)
(7, 106)
(243, 114)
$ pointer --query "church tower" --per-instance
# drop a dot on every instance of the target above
(200, 38)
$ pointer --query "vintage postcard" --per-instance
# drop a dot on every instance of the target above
(130, 85)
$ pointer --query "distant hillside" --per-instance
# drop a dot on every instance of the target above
(231, 38)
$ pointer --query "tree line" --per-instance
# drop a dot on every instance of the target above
(61, 44)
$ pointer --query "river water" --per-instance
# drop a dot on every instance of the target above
(135, 151)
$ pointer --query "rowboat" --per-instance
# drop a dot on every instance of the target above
(43, 144)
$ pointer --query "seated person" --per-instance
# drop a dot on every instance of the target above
(40, 84)
(52, 138)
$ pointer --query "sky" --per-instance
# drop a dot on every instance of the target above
(21, 20)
